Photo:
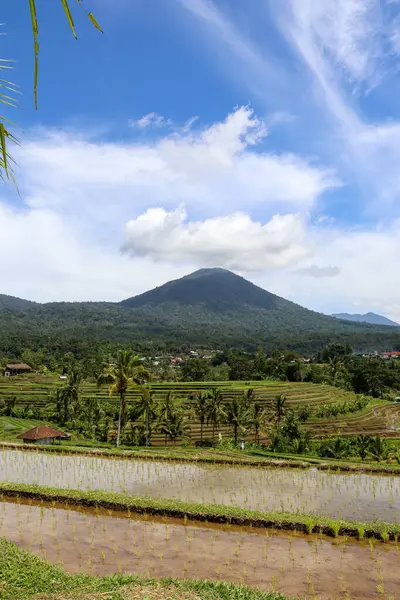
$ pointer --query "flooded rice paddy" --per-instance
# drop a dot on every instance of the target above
(346, 496)
(104, 542)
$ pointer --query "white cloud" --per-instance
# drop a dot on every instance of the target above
(151, 120)
(366, 260)
(79, 192)
(234, 241)
(217, 169)
(318, 272)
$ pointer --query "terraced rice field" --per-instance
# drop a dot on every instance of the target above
(383, 419)
(35, 391)
(100, 542)
(342, 496)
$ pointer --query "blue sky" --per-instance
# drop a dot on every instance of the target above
(264, 139)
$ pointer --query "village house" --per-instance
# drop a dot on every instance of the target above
(43, 434)
(16, 369)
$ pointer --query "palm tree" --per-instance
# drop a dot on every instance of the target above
(167, 409)
(279, 409)
(67, 397)
(201, 410)
(238, 415)
(338, 448)
(176, 427)
(378, 448)
(363, 443)
(146, 407)
(215, 409)
(258, 415)
(126, 371)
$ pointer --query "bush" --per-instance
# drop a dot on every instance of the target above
(304, 413)
(207, 443)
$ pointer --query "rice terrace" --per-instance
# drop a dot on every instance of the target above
(306, 523)
(196, 197)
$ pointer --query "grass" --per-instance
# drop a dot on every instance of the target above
(23, 576)
(213, 513)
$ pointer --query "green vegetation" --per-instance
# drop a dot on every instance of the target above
(213, 513)
(23, 575)
(37, 397)
(210, 309)
(119, 376)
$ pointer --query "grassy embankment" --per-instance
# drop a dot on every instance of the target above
(212, 513)
(23, 576)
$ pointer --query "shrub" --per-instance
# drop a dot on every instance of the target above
(207, 443)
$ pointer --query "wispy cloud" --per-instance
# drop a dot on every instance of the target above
(262, 71)
(346, 46)
(318, 272)
(152, 119)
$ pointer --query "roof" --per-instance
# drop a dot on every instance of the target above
(20, 366)
(41, 432)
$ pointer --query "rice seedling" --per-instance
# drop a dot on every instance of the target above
(212, 551)
(349, 496)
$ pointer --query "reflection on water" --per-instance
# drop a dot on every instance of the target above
(348, 496)
(102, 542)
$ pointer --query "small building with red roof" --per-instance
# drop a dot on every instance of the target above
(43, 434)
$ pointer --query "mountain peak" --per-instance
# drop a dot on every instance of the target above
(208, 271)
(215, 288)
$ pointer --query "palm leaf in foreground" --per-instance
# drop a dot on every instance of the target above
(8, 90)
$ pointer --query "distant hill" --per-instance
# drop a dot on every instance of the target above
(13, 303)
(209, 308)
(369, 317)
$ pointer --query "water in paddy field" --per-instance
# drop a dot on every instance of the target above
(104, 542)
(346, 496)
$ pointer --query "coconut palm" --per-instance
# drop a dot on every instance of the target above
(67, 397)
(125, 372)
(363, 443)
(338, 448)
(146, 408)
(166, 411)
(258, 418)
(201, 409)
(176, 427)
(238, 415)
(279, 409)
(215, 409)
(378, 448)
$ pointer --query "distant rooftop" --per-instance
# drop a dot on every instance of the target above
(41, 432)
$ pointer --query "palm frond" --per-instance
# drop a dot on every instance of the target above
(8, 89)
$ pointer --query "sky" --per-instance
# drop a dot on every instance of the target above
(262, 137)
